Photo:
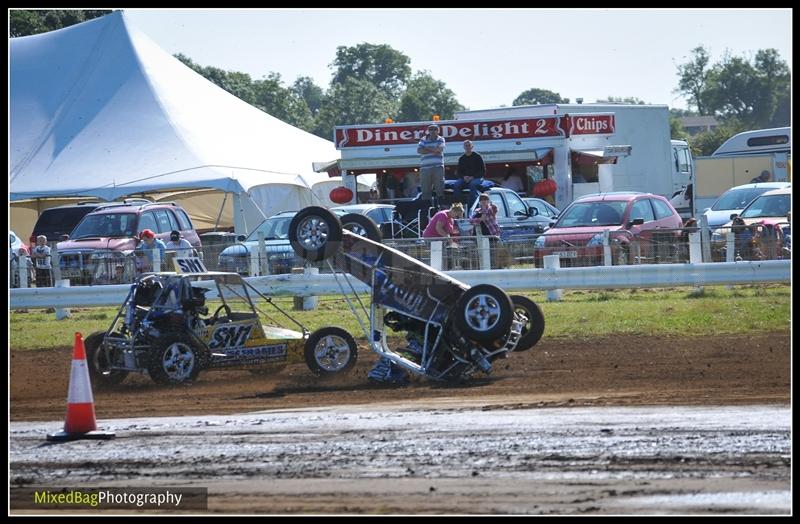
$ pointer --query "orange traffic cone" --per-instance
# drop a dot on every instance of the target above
(80, 422)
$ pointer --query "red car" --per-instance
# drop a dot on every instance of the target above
(642, 227)
(109, 236)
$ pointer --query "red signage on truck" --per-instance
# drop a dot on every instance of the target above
(457, 130)
(394, 134)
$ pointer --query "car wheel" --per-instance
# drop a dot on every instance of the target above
(174, 360)
(362, 226)
(330, 351)
(533, 329)
(484, 313)
(315, 234)
(99, 373)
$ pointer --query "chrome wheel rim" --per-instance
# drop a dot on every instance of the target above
(482, 312)
(313, 233)
(332, 353)
(178, 361)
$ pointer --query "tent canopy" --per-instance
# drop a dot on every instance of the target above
(98, 109)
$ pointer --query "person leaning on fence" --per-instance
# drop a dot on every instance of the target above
(181, 246)
(431, 167)
(442, 224)
(149, 245)
(40, 255)
(485, 216)
(744, 241)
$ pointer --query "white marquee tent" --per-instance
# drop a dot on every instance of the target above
(99, 110)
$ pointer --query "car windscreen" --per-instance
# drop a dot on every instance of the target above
(768, 206)
(588, 214)
(737, 198)
(106, 225)
(274, 228)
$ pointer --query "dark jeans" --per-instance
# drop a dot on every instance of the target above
(473, 185)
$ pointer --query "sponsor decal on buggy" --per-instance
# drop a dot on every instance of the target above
(255, 354)
(230, 336)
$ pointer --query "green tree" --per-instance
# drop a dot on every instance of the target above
(305, 88)
(755, 93)
(693, 79)
(536, 96)
(354, 101)
(24, 22)
(281, 102)
(425, 96)
(384, 67)
(676, 130)
(706, 142)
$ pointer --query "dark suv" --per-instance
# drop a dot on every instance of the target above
(110, 235)
(56, 222)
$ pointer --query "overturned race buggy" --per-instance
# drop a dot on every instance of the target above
(164, 329)
(452, 330)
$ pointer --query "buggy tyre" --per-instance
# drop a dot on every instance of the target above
(330, 351)
(98, 364)
(533, 330)
(315, 234)
(362, 226)
(484, 313)
(174, 360)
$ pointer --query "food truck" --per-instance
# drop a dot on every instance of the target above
(585, 148)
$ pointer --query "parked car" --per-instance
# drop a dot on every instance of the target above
(18, 253)
(765, 217)
(381, 214)
(545, 208)
(734, 200)
(214, 243)
(577, 237)
(110, 235)
(16, 245)
(280, 255)
(517, 220)
(55, 222)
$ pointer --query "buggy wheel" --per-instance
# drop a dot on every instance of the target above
(330, 350)
(315, 234)
(362, 226)
(533, 329)
(174, 360)
(98, 364)
(484, 313)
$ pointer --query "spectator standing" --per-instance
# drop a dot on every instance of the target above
(150, 244)
(431, 170)
(181, 246)
(471, 170)
(42, 262)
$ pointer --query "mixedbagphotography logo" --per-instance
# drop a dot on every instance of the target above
(164, 499)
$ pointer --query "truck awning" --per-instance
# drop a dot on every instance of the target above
(450, 159)
(593, 156)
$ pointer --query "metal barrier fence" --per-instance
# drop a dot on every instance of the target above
(771, 241)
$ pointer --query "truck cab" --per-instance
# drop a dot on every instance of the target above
(682, 178)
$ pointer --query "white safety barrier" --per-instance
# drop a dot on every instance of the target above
(600, 277)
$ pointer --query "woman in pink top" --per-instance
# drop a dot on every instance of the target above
(442, 225)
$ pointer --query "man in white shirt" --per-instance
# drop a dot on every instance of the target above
(181, 246)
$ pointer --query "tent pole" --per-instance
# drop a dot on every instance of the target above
(219, 216)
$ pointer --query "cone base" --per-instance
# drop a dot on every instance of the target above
(63, 436)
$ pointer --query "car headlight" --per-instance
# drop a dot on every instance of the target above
(539, 242)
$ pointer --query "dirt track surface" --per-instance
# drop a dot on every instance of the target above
(621, 371)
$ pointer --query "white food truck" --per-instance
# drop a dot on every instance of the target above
(585, 148)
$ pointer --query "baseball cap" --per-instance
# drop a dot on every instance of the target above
(147, 234)
(175, 235)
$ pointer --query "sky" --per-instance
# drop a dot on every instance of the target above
(487, 57)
